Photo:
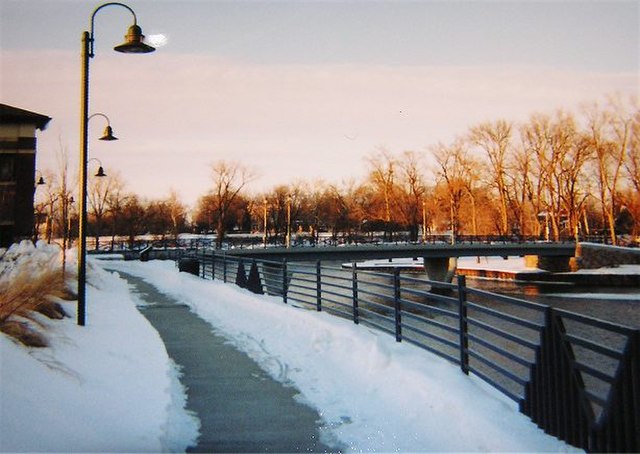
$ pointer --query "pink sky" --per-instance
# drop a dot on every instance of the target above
(304, 90)
(289, 122)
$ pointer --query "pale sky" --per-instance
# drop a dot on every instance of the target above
(303, 89)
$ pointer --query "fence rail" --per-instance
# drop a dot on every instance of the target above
(576, 377)
(240, 241)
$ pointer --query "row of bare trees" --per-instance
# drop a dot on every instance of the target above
(112, 211)
(552, 176)
(555, 175)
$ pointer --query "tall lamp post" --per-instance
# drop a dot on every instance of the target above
(288, 238)
(133, 44)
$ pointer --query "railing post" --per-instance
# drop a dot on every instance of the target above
(463, 326)
(318, 287)
(354, 280)
(241, 275)
(396, 301)
(224, 269)
(213, 266)
(284, 281)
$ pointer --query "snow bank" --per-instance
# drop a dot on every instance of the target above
(106, 387)
(373, 394)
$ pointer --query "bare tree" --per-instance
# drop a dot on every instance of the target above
(452, 172)
(101, 194)
(632, 164)
(610, 134)
(229, 178)
(412, 190)
(382, 175)
(521, 187)
(177, 213)
(494, 139)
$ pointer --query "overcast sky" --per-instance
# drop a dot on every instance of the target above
(303, 89)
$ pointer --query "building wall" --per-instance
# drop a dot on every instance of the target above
(17, 185)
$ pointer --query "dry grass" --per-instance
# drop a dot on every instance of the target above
(25, 294)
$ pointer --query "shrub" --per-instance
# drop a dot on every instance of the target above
(30, 276)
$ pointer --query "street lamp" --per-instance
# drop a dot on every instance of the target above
(100, 172)
(108, 131)
(424, 221)
(40, 181)
(133, 44)
(288, 239)
(264, 222)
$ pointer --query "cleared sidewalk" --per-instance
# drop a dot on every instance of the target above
(241, 408)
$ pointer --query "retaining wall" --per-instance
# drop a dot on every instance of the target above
(592, 256)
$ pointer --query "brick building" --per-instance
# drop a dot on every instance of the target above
(17, 171)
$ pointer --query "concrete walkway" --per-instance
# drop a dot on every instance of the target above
(241, 408)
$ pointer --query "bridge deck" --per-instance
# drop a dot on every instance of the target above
(406, 250)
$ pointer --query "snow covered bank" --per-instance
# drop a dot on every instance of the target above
(511, 265)
(374, 394)
(106, 387)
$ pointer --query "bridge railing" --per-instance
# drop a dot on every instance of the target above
(576, 377)
(298, 241)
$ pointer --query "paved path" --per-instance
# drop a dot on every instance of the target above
(241, 408)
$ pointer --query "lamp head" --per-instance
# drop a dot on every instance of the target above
(108, 134)
(41, 181)
(101, 172)
(134, 42)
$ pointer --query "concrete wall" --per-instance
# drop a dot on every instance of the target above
(552, 264)
(592, 256)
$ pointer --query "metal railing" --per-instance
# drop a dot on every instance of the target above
(576, 377)
(304, 240)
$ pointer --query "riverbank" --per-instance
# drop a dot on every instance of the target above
(515, 269)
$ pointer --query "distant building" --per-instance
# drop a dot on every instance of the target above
(17, 171)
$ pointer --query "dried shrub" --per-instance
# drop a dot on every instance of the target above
(23, 294)
(51, 309)
(24, 333)
(30, 281)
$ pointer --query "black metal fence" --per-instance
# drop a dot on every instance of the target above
(576, 377)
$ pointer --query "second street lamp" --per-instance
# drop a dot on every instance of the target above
(100, 172)
(133, 44)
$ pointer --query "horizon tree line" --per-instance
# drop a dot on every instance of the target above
(553, 176)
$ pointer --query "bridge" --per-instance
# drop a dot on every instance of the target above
(437, 258)
(440, 258)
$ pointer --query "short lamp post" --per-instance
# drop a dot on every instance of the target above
(424, 221)
(264, 222)
(288, 238)
(133, 44)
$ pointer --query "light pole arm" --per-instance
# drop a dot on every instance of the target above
(98, 114)
(93, 16)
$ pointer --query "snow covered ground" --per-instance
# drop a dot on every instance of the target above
(110, 386)
(510, 265)
(106, 387)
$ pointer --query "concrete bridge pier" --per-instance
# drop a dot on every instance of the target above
(440, 269)
(559, 264)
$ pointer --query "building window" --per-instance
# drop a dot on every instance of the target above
(7, 203)
(7, 168)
